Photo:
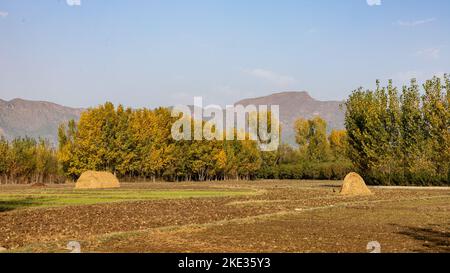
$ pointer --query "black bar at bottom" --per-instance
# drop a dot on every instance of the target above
(227, 262)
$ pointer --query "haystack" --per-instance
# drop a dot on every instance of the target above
(354, 185)
(97, 180)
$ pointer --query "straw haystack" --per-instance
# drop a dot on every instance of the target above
(97, 180)
(354, 185)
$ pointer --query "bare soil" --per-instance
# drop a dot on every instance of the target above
(284, 216)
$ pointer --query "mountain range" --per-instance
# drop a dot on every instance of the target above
(19, 117)
(294, 105)
(37, 119)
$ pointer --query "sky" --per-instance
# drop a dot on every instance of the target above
(81, 53)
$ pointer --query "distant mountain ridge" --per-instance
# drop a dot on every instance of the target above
(19, 118)
(294, 105)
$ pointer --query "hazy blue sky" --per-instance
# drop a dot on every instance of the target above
(151, 53)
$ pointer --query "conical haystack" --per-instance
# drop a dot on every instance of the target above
(354, 185)
(97, 180)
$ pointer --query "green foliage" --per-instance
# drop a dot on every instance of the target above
(312, 138)
(319, 156)
(25, 160)
(401, 139)
(390, 138)
(316, 171)
(137, 144)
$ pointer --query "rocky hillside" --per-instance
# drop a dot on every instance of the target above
(33, 118)
(41, 119)
(294, 105)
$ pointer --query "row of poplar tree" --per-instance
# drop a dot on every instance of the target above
(138, 145)
(401, 137)
(391, 138)
(25, 160)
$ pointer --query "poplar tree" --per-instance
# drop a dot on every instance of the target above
(400, 139)
(311, 136)
(338, 143)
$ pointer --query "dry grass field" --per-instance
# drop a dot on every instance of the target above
(233, 216)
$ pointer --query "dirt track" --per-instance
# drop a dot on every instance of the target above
(284, 217)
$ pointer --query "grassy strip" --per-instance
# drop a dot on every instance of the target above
(45, 199)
